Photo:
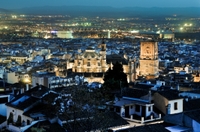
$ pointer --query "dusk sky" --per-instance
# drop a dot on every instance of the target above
(9, 4)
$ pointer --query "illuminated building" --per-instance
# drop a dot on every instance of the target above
(64, 34)
(91, 61)
(93, 64)
(109, 34)
(149, 59)
(167, 36)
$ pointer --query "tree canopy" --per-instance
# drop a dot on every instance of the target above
(115, 78)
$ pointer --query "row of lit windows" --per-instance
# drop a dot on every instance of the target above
(89, 64)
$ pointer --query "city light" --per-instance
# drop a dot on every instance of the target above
(129, 66)
(26, 80)
(14, 16)
(188, 25)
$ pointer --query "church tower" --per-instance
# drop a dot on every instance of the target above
(149, 59)
(103, 54)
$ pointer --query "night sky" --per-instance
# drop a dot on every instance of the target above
(14, 4)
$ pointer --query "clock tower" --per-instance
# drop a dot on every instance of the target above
(149, 59)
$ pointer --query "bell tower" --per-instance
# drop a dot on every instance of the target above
(149, 59)
(103, 54)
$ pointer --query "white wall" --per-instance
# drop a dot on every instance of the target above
(39, 80)
(180, 106)
(12, 77)
(17, 112)
(148, 113)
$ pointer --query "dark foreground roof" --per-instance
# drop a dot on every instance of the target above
(134, 93)
(147, 128)
(193, 104)
(2, 119)
(99, 122)
(46, 126)
(195, 115)
(170, 94)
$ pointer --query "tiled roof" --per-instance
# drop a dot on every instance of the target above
(147, 128)
(46, 126)
(134, 93)
(169, 94)
(101, 120)
(41, 109)
(144, 86)
(193, 104)
(50, 97)
(37, 91)
(22, 104)
(195, 115)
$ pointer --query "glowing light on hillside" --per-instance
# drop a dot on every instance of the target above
(188, 25)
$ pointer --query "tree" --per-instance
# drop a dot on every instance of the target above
(114, 80)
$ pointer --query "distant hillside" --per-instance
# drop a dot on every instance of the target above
(5, 11)
(110, 11)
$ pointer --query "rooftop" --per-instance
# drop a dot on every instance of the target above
(170, 94)
(23, 102)
(147, 128)
(195, 115)
(193, 104)
(135, 93)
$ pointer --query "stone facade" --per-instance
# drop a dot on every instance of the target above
(149, 59)
(91, 61)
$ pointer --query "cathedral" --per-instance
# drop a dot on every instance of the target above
(92, 65)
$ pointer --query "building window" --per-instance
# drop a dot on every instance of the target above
(79, 63)
(99, 64)
(149, 108)
(137, 108)
(175, 106)
(88, 63)
(28, 122)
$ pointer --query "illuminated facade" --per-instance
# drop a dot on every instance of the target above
(94, 63)
(64, 34)
(149, 59)
(91, 61)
